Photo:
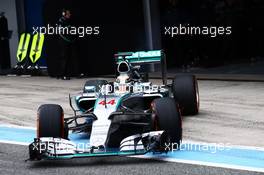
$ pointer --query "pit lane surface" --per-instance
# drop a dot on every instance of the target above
(231, 112)
(12, 161)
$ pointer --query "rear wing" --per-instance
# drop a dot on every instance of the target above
(149, 61)
(153, 56)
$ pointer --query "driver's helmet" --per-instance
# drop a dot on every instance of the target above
(122, 84)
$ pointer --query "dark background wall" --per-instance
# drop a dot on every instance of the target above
(121, 29)
(244, 45)
(9, 6)
(33, 10)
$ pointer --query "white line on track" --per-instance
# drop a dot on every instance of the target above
(219, 165)
(14, 143)
(16, 126)
(230, 145)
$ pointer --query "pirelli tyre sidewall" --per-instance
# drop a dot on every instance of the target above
(167, 117)
(186, 93)
(50, 121)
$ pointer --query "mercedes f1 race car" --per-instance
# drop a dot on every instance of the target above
(129, 116)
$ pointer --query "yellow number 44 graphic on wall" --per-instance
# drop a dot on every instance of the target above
(23, 47)
(36, 47)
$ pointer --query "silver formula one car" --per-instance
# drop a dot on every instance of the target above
(129, 116)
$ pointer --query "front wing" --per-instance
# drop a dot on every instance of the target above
(49, 148)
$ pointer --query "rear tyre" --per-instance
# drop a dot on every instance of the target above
(96, 83)
(167, 117)
(186, 93)
(50, 121)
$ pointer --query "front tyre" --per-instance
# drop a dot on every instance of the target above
(50, 122)
(167, 117)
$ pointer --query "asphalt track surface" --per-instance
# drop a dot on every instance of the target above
(231, 112)
(12, 161)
